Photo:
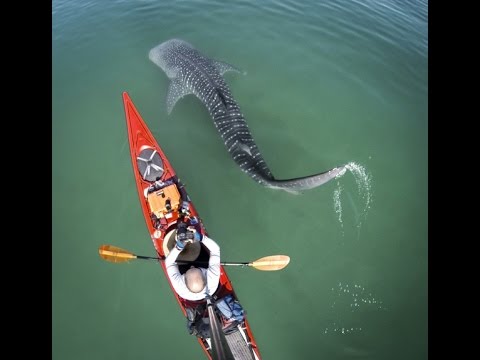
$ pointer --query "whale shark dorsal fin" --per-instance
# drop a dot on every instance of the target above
(245, 148)
(242, 147)
(176, 90)
(223, 67)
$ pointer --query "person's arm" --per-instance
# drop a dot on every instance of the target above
(173, 272)
(213, 272)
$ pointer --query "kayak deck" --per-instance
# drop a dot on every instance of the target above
(238, 345)
(161, 207)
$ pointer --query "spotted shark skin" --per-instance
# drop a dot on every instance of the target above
(191, 72)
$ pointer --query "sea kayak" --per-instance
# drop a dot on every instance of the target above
(162, 209)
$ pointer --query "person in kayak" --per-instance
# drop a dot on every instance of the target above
(196, 283)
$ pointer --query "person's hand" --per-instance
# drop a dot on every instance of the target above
(181, 241)
(196, 235)
(180, 244)
(185, 207)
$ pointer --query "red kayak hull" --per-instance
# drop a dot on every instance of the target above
(141, 138)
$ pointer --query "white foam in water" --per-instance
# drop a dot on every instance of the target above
(341, 329)
(359, 293)
(338, 204)
(351, 298)
(363, 181)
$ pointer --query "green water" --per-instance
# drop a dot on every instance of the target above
(327, 83)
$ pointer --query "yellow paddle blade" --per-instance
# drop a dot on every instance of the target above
(115, 254)
(271, 263)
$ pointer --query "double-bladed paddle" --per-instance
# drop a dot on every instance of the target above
(268, 263)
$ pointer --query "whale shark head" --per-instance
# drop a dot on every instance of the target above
(157, 55)
(163, 55)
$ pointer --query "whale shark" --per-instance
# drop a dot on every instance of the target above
(191, 72)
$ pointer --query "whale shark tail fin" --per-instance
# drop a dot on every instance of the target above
(307, 182)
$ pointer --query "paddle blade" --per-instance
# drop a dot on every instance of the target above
(271, 263)
(115, 254)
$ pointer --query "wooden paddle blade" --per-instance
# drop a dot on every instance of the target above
(115, 254)
(271, 263)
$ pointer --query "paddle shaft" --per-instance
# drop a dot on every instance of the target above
(193, 262)
(149, 257)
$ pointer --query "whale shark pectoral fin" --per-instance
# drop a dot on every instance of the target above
(176, 90)
(223, 67)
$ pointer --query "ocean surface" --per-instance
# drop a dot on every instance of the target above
(327, 83)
